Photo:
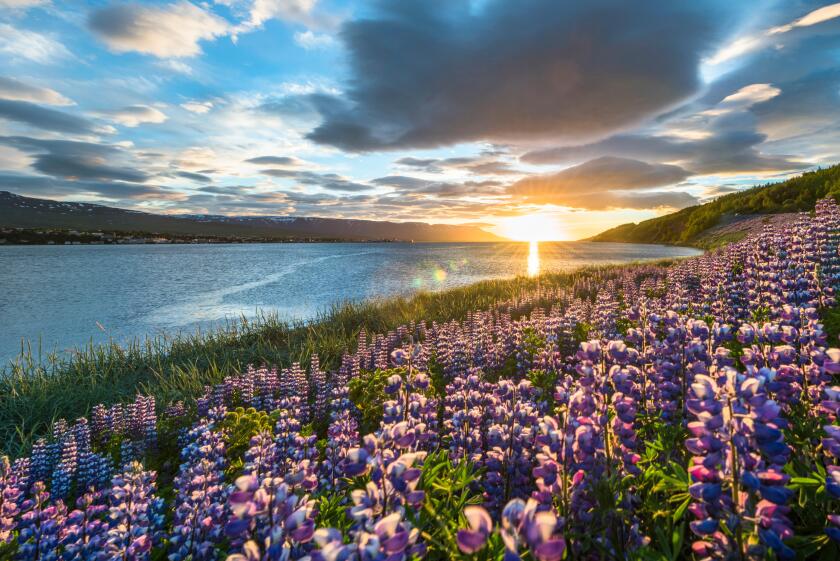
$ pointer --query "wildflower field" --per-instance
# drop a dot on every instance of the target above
(645, 412)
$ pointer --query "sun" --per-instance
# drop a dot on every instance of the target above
(532, 228)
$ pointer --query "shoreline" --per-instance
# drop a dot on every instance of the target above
(33, 392)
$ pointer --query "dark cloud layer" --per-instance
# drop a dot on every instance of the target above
(433, 73)
(192, 176)
(77, 160)
(329, 181)
(795, 127)
(43, 117)
(40, 186)
(288, 161)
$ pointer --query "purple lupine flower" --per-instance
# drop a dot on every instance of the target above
(135, 516)
(524, 525)
(40, 526)
(342, 435)
(200, 496)
(84, 533)
(11, 496)
(268, 520)
(480, 527)
(738, 443)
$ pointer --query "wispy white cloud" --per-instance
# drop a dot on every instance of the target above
(175, 65)
(22, 45)
(199, 107)
(752, 42)
(310, 40)
(22, 4)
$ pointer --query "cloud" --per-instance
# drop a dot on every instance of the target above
(483, 164)
(261, 11)
(286, 161)
(415, 187)
(19, 91)
(729, 142)
(804, 106)
(43, 118)
(718, 190)
(135, 115)
(175, 65)
(70, 167)
(804, 117)
(313, 41)
(581, 186)
(21, 45)
(813, 18)
(749, 96)
(200, 107)
(13, 159)
(607, 200)
(417, 162)
(168, 31)
(328, 181)
(22, 4)
(198, 177)
(749, 43)
(71, 160)
(40, 186)
(298, 108)
(429, 74)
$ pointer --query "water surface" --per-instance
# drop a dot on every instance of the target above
(65, 296)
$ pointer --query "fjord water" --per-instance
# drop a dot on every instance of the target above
(66, 296)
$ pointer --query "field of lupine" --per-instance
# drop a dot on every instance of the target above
(649, 413)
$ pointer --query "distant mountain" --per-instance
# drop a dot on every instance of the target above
(24, 212)
(732, 216)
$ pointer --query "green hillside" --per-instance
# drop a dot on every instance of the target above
(689, 225)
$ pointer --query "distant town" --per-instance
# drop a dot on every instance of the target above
(47, 236)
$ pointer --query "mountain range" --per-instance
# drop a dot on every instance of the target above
(725, 219)
(17, 211)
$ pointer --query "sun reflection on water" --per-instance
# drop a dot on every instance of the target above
(534, 258)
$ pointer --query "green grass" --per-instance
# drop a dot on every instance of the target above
(34, 391)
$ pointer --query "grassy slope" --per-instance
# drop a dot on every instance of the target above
(36, 390)
(688, 225)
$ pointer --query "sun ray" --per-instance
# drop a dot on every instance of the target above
(533, 227)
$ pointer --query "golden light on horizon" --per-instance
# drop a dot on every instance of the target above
(533, 258)
(533, 228)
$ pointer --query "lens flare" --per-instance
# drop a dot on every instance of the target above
(440, 275)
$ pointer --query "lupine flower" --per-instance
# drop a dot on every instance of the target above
(135, 515)
(480, 527)
(40, 526)
(268, 520)
(11, 496)
(200, 490)
(84, 533)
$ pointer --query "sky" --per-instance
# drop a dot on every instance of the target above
(535, 118)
